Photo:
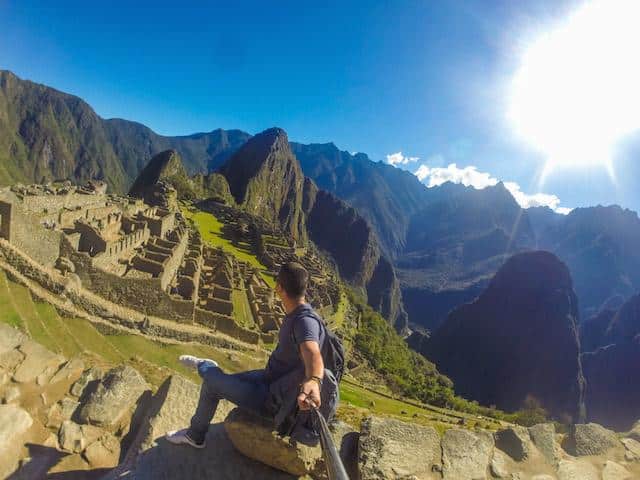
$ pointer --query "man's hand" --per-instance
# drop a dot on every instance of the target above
(309, 391)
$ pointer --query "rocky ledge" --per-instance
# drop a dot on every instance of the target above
(59, 419)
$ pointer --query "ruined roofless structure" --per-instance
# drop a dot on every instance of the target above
(126, 251)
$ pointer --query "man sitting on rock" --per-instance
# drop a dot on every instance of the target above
(294, 374)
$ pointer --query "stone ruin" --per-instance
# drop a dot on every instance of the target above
(129, 252)
(273, 249)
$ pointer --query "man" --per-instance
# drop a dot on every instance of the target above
(295, 366)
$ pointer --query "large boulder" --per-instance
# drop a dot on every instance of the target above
(60, 411)
(172, 408)
(88, 376)
(11, 359)
(254, 437)
(632, 449)
(71, 370)
(14, 422)
(38, 361)
(151, 457)
(391, 449)
(515, 442)
(10, 338)
(543, 436)
(75, 438)
(591, 439)
(103, 453)
(577, 470)
(114, 398)
(466, 454)
(615, 471)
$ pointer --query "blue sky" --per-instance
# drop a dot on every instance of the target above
(428, 79)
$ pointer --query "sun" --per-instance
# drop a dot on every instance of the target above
(576, 92)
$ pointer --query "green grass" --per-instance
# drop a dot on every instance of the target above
(155, 360)
(76, 336)
(210, 229)
(338, 317)
(241, 309)
(7, 308)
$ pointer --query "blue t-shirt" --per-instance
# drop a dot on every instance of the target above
(286, 357)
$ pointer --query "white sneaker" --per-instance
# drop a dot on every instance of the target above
(180, 437)
(194, 362)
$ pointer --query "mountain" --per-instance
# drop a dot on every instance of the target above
(135, 144)
(266, 180)
(518, 340)
(385, 196)
(455, 245)
(49, 135)
(611, 358)
(612, 392)
(600, 246)
(337, 228)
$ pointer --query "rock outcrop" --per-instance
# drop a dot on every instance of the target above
(254, 437)
(115, 396)
(14, 422)
(543, 436)
(394, 449)
(591, 439)
(466, 455)
(521, 333)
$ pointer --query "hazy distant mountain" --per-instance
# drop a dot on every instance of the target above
(600, 246)
(611, 362)
(517, 340)
(454, 247)
(386, 196)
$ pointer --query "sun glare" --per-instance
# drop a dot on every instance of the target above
(577, 89)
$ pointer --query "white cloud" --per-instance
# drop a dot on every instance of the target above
(399, 159)
(535, 200)
(422, 172)
(470, 177)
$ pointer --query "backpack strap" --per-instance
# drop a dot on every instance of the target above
(323, 328)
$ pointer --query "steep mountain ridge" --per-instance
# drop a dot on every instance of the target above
(600, 246)
(522, 332)
(49, 135)
(266, 180)
(385, 196)
(337, 228)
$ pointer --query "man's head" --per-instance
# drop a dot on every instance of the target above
(291, 283)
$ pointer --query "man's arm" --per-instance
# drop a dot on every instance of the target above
(313, 367)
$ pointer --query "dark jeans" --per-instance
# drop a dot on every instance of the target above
(246, 389)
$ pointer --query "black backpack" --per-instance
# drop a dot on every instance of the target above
(332, 350)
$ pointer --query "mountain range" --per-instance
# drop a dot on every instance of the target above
(428, 258)
(445, 243)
